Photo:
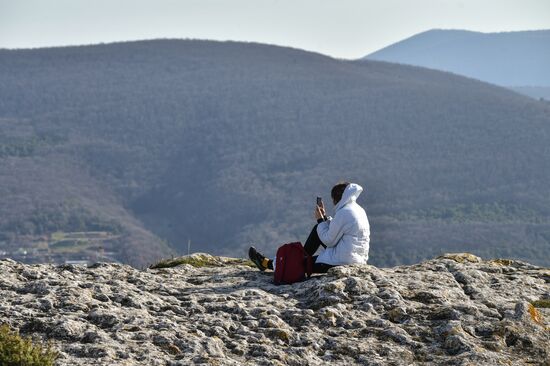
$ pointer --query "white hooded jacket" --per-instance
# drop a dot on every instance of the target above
(347, 235)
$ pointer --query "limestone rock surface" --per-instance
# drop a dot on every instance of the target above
(453, 310)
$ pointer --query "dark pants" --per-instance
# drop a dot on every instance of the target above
(312, 244)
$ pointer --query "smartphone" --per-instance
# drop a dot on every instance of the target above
(319, 202)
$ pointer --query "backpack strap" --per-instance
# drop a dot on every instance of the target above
(280, 264)
(309, 265)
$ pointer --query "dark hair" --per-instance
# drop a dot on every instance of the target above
(338, 190)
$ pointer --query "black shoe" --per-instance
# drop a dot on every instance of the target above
(256, 258)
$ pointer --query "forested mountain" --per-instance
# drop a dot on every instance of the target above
(226, 144)
(518, 60)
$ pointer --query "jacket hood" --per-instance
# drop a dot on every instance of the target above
(351, 193)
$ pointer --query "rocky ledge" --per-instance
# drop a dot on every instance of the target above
(453, 310)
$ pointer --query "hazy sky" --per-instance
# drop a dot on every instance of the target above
(340, 28)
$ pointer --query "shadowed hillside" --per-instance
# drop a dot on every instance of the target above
(226, 144)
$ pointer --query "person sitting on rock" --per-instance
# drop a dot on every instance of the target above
(346, 236)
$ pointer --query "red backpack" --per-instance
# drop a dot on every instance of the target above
(292, 264)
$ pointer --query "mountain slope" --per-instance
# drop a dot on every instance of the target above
(513, 59)
(227, 144)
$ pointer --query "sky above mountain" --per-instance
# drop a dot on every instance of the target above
(344, 29)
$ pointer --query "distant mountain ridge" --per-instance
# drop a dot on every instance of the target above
(155, 145)
(511, 59)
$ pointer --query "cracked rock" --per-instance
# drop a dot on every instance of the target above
(453, 310)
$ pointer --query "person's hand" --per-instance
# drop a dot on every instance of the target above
(319, 213)
(322, 209)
